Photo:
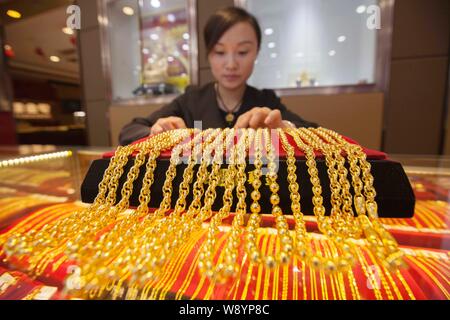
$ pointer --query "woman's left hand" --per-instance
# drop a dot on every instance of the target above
(261, 118)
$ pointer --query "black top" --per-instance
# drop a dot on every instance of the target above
(200, 104)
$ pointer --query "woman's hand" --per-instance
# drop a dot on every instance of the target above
(165, 124)
(262, 118)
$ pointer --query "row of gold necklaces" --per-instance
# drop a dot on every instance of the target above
(112, 247)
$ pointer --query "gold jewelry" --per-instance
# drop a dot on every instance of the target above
(128, 256)
(179, 229)
(133, 248)
(206, 257)
(325, 223)
(229, 118)
(284, 255)
(405, 285)
(119, 235)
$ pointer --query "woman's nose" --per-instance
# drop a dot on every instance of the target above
(231, 62)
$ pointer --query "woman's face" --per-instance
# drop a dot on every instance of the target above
(234, 55)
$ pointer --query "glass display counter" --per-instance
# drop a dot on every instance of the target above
(151, 48)
(42, 186)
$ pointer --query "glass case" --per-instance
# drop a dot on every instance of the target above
(151, 47)
(307, 44)
(36, 188)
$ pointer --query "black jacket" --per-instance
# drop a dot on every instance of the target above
(201, 104)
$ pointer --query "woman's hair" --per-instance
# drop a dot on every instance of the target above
(224, 19)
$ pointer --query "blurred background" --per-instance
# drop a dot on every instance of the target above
(74, 72)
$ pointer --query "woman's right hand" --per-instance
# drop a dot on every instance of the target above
(165, 124)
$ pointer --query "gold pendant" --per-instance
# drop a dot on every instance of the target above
(229, 117)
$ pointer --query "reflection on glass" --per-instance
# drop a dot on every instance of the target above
(165, 46)
(308, 43)
(149, 47)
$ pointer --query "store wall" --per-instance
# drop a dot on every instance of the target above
(356, 115)
(415, 109)
(95, 98)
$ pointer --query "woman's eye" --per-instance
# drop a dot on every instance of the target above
(243, 53)
(219, 53)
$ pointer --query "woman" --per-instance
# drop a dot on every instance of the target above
(233, 39)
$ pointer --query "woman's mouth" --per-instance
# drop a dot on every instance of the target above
(231, 77)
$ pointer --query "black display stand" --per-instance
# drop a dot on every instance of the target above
(395, 197)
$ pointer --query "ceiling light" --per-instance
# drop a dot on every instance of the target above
(155, 3)
(128, 11)
(271, 45)
(361, 9)
(268, 31)
(341, 38)
(145, 51)
(171, 17)
(170, 59)
(273, 55)
(55, 59)
(14, 14)
(67, 30)
(154, 36)
(331, 53)
(186, 36)
(185, 47)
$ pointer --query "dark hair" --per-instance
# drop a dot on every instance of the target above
(224, 19)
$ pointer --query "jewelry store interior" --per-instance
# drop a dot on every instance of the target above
(356, 207)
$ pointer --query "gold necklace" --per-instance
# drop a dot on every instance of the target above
(381, 242)
(162, 239)
(133, 248)
(330, 264)
(229, 267)
(229, 118)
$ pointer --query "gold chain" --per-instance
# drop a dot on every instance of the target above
(130, 248)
